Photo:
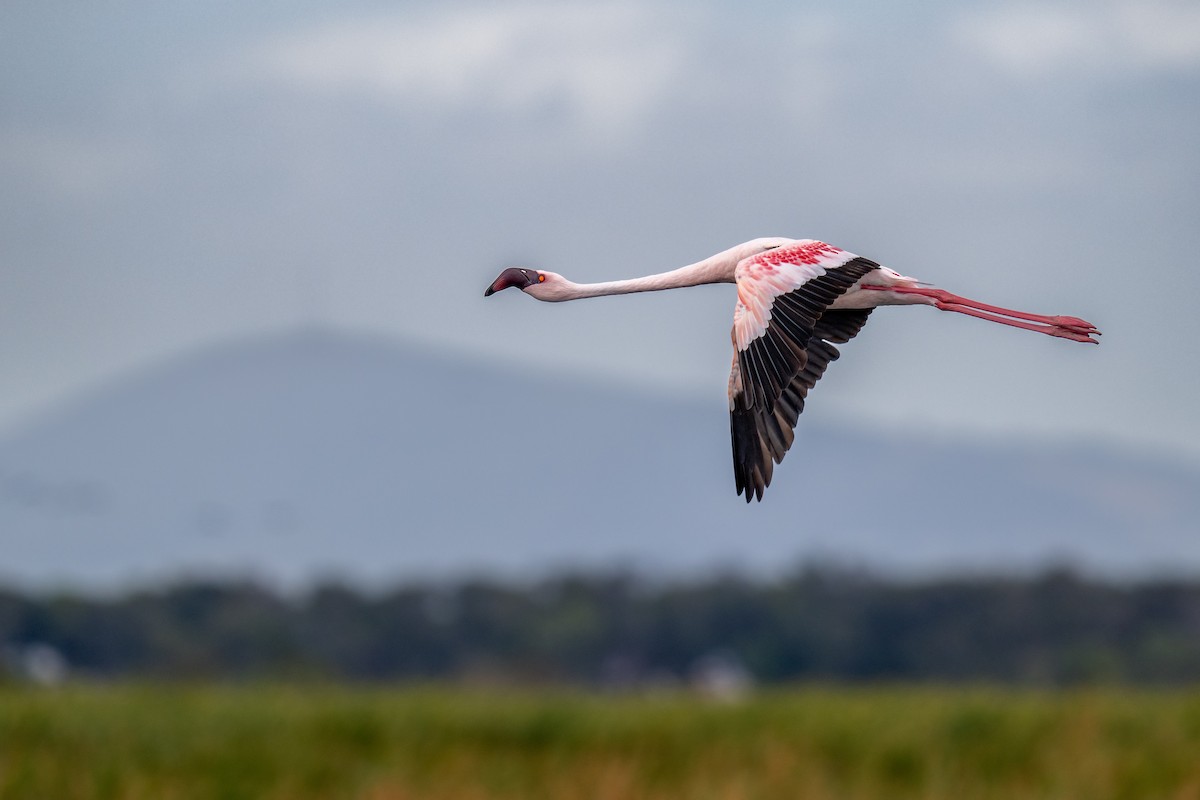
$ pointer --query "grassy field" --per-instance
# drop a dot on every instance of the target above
(440, 744)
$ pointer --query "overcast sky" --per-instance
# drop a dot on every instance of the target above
(175, 173)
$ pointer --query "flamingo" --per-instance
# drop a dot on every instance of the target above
(796, 299)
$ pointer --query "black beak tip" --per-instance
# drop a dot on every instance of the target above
(488, 292)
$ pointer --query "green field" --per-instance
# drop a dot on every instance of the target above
(438, 743)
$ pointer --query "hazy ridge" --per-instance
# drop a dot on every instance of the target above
(317, 453)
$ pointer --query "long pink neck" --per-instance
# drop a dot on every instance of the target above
(717, 269)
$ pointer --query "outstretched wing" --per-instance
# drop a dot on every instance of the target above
(783, 330)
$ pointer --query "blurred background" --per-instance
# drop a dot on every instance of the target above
(288, 510)
(243, 339)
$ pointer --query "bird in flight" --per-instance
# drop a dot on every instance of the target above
(796, 300)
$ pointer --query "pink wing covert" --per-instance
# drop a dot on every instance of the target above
(762, 278)
(782, 329)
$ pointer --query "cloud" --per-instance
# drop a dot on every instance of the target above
(605, 65)
(1124, 35)
(602, 71)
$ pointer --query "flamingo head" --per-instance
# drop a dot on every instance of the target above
(539, 283)
(520, 277)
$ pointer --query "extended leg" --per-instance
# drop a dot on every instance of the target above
(1072, 328)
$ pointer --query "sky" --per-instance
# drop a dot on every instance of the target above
(173, 174)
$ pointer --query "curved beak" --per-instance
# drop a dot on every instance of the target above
(513, 276)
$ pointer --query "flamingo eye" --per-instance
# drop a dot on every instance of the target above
(541, 278)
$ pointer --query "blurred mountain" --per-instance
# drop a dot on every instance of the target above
(322, 454)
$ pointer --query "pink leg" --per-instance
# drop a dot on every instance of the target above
(1073, 333)
(1072, 328)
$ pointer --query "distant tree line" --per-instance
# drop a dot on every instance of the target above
(618, 629)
